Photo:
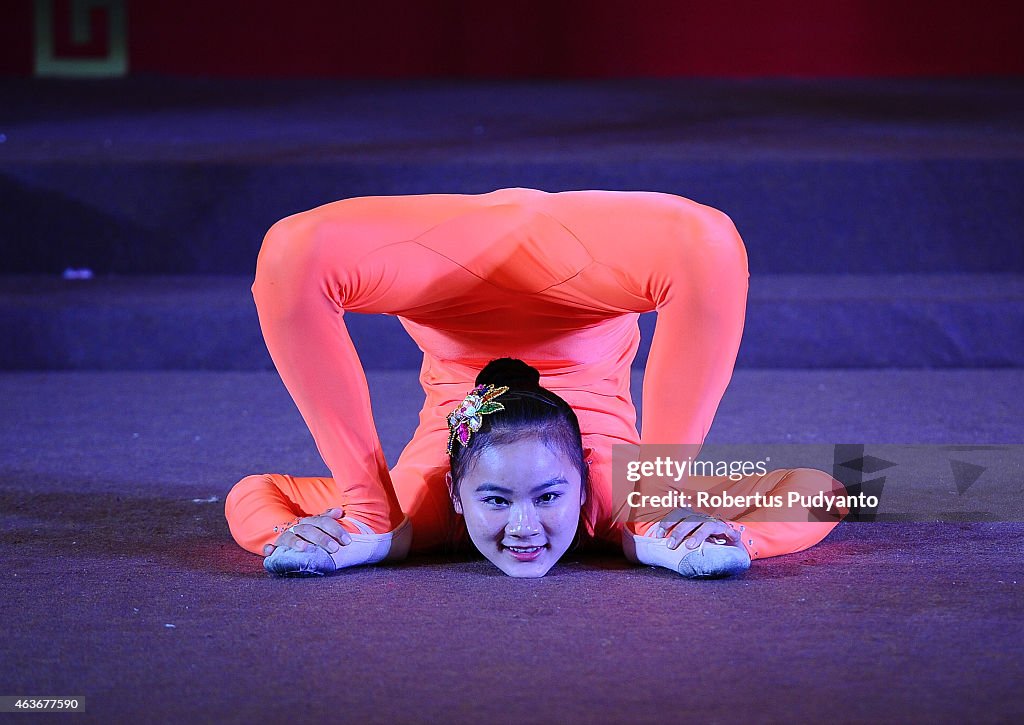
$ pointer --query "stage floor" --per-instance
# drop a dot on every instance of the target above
(124, 586)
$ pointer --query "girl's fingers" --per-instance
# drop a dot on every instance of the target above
(305, 534)
(336, 530)
(294, 541)
(291, 539)
(704, 531)
(328, 523)
(681, 532)
(313, 534)
(323, 531)
(696, 536)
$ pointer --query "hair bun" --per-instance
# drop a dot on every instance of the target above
(509, 371)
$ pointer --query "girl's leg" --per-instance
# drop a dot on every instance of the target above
(297, 290)
(763, 531)
(775, 531)
(419, 480)
(770, 531)
(258, 508)
(604, 521)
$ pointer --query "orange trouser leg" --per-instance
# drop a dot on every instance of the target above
(419, 481)
(599, 513)
(770, 531)
(302, 321)
(258, 508)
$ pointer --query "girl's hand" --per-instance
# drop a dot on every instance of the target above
(323, 531)
(696, 528)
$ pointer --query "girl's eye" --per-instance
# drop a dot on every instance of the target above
(548, 497)
(495, 501)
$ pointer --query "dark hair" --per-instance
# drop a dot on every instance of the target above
(530, 411)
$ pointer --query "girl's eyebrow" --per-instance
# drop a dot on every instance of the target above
(493, 487)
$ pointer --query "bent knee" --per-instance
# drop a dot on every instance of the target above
(280, 242)
(250, 484)
(241, 510)
(819, 493)
(284, 263)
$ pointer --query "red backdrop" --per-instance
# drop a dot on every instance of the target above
(542, 38)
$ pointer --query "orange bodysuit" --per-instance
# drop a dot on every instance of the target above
(556, 279)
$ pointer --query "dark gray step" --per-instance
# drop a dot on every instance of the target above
(796, 216)
(794, 321)
(165, 176)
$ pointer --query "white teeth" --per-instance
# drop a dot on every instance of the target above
(523, 549)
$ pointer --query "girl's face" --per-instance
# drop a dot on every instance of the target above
(521, 502)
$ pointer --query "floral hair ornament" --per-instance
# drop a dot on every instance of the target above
(468, 417)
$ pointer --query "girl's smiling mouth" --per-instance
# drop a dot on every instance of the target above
(524, 553)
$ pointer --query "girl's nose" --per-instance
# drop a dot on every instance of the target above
(523, 521)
